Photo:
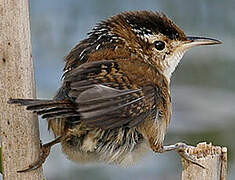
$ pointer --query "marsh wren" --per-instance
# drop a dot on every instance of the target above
(114, 102)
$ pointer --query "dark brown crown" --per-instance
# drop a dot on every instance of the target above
(147, 22)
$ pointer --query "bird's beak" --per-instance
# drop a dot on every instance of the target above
(199, 41)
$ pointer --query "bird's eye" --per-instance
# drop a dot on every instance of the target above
(159, 45)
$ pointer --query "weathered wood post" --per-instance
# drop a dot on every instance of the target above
(19, 128)
(213, 158)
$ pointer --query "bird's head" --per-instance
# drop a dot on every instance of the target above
(151, 36)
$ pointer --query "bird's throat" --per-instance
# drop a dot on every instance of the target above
(170, 63)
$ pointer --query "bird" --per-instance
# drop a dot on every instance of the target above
(114, 103)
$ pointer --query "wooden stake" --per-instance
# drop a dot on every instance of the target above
(213, 158)
(19, 128)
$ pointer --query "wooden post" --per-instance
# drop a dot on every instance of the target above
(213, 158)
(19, 128)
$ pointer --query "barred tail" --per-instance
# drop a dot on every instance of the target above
(48, 109)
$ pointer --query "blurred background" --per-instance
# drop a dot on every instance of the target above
(203, 86)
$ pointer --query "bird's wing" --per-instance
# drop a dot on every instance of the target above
(101, 95)
(106, 98)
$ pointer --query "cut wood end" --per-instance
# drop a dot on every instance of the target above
(203, 149)
(213, 158)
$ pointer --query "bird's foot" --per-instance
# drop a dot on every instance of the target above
(181, 148)
(44, 152)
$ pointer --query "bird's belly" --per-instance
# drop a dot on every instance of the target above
(122, 146)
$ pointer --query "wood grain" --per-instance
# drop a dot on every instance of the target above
(19, 128)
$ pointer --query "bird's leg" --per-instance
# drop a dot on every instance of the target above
(44, 152)
(180, 148)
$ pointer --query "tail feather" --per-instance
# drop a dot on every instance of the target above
(48, 109)
(40, 106)
(25, 102)
(61, 115)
